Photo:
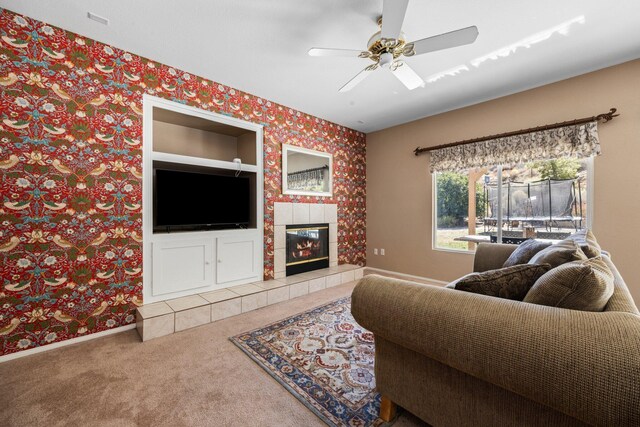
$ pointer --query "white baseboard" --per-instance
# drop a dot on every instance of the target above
(404, 275)
(59, 344)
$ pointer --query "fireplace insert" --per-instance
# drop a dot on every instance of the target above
(307, 247)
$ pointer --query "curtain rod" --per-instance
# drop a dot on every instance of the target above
(605, 117)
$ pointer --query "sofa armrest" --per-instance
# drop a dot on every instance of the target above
(584, 364)
(490, 256)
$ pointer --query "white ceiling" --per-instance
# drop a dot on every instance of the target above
(261, 47)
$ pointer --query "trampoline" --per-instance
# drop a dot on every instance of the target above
(548, 203)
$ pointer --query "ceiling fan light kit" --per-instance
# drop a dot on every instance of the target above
(386, 47)
(385, 60)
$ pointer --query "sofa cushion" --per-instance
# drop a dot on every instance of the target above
(579, 285)
(559, 253)
(511, 282)
(587, 242)
(525, 251)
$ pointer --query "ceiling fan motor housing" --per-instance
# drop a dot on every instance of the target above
(384, 51)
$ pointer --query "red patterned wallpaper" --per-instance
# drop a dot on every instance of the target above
(70, 177)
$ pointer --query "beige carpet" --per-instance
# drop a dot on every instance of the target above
(193, 378)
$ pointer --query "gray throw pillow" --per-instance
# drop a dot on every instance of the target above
(587, 242)
(525, 251)
(511, 282)
(558, 254)
(579, 285)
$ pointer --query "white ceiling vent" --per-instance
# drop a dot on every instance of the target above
(98, 18)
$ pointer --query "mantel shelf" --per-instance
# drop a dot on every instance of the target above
(198, 161)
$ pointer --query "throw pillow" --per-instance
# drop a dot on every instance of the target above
(587, 242)
(559, 253)
(511, 282)
(525, 251)
(579, 285)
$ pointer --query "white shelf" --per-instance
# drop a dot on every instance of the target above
(198, 161)
(223, 232)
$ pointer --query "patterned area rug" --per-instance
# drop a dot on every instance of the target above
(325, 359)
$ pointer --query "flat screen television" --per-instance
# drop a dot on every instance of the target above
(199, 201)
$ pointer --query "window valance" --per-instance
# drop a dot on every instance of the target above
(578, 141)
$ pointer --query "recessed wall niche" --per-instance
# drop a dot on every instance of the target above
(182, 134)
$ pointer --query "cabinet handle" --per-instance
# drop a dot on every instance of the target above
(207, 263)
(219, 261)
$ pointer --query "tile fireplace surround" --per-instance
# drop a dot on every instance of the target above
(163, 318)
(302, 214)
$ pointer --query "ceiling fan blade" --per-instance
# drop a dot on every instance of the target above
(358, 78)
(406, 75)
(393, 12)
(319, 51)
(442, 41)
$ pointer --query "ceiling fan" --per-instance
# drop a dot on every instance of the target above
(386, 47)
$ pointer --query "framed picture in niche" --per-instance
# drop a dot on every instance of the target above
(306, 172)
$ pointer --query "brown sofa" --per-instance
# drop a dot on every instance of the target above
(456, 358)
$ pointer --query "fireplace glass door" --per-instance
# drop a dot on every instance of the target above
(307, 247)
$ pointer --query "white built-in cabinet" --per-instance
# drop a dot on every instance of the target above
(178, 264)
(181, 265)
(236, 258)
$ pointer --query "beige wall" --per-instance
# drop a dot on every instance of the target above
(176, 139)
(247, 148)
(399, 187)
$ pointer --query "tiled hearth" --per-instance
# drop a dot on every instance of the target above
(164, 318)
(302, 214)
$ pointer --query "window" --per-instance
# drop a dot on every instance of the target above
(543, 199)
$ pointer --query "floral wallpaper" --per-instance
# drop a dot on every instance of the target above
(70, 177)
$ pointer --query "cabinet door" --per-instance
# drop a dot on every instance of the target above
(237, 258)
(182, 265)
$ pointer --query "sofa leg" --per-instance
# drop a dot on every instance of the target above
(387, 409)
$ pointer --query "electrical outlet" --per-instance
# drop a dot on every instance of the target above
(375, 251)
(381, 251)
